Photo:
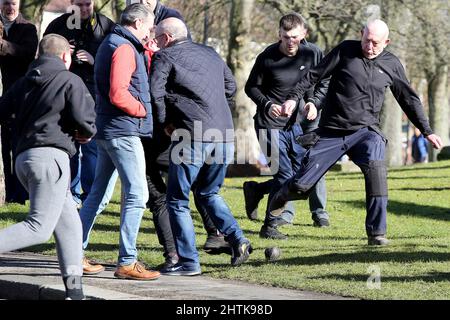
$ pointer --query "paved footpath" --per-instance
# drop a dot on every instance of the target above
(28, 276)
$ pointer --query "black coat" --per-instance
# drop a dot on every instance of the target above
(18, 51)
(48, 105)
(357, 89)
(190, 82)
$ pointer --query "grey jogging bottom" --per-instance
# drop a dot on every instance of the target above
(45, 174)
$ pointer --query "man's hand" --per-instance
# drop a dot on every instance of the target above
(435, 140)
(310, 111)
(85, 56)
(81, 139)
(275, 110)
(288, 107)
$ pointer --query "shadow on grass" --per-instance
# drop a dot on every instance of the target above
(115, 228)
(13, 216)
(369, 256)
(429, 277)
(92, 247)
(411, 209)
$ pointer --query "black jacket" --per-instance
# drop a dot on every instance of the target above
(357, 89)
(274, 75)
(17, 53)
(190, 82)
(88, 38)
(48, 105)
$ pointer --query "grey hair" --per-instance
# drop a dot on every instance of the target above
(173, 26)
(134, 12)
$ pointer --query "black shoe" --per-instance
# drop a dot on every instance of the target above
(170, 262)
(241, 252)
(181, 270)
(321, 223)
(268, 232)
(252, 199)
(379, 240)
(216, 244)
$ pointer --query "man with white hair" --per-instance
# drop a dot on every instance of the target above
(191, 86)
(360, 73)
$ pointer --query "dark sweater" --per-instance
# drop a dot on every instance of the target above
(274, 75)
(357, 89)
(190, 82)
(48, 105)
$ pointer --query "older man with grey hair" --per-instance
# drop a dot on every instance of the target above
(192, 87)
(123, 116)
(360, 72)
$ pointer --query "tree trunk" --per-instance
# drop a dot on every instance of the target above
(240, 62)
(438, 104)
(391, 124)
(391, 116)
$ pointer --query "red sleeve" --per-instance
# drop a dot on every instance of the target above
(123, 65)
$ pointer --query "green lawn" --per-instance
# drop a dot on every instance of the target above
(333, 260)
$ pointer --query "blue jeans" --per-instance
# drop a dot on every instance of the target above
(82, 168)
(206, 165)
(289, 161)
(124, 155)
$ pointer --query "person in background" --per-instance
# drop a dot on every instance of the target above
(276, 71)
(18, 44)
(419, 147)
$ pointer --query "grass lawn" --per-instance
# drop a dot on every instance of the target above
(333, 260)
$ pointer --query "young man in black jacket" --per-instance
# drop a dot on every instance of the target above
(52, 108)
(360, 73)
(276, 71)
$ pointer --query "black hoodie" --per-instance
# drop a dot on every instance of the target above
(48, 104)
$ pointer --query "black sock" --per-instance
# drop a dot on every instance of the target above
(74, 288)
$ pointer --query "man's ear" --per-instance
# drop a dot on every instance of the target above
(137, 24)
(66, 57)
(387, 42)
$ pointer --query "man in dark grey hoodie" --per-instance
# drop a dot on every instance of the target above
(52, 108)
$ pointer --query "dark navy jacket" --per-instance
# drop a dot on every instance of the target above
(111, 121)
(191, 83)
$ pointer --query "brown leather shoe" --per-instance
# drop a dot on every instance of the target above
(90, 269)
(136, 271)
